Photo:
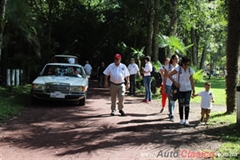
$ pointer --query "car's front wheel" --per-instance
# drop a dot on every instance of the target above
(82, 101)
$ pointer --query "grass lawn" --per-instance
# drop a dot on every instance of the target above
(13, 100)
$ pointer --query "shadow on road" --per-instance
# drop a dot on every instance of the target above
(86, 129)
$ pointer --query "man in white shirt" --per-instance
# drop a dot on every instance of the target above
(147, 79)
(133, 70)
(118, 72)
(88, 68)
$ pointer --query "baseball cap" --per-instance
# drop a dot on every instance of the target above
(117, 56)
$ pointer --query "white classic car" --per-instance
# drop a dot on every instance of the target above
(61, 82)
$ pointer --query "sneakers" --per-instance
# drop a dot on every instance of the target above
(113, 113)
(172, 118)
(181, 121)
(147, 101)
(186, 123)
(161, 110)
(122, 113)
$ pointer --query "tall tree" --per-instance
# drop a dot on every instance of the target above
(173, 22)
(2, 23)
(233, 44)
(156, 30)
(194, 39)
(149, 5)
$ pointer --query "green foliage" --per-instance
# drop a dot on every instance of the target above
(39, 29)
(137, 53)
(209, 21)
(198, 76)
(13, 100)
(174, 43)
(157, 65)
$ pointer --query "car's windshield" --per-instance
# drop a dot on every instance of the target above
(63, 70)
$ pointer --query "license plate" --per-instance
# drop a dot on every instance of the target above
(57, 95)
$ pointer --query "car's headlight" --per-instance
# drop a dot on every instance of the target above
(38, 86)
(77, 88)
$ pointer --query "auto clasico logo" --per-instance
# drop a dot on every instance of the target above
(185, 154)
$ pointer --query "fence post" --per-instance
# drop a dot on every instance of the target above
(17, 77)
(9, 77)
(13, 77)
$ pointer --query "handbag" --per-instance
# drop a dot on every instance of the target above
(174, 93)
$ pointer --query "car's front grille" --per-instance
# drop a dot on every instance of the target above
(58, 87)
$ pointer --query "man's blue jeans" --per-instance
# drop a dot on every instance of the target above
(147, 85)
(171, 104)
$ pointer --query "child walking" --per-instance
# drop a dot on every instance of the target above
(206, 102)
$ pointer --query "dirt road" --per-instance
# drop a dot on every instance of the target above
(63, 131)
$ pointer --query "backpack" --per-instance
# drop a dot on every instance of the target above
(153, 71)
(158, 79)
(157, 76)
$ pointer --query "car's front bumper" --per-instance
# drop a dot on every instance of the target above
(67, 97)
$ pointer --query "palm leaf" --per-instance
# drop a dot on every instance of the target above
(162, 43)
(176, 44)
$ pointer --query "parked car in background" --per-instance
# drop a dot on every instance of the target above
(61, 82)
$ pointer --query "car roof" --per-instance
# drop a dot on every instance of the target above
(64, 55)
(65, 64)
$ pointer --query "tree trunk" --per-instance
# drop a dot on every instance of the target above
(233, 40)
(194, 47)
(173, 22)
(3, 4)
(150, 18)
(50, 7)
(203, 58)
(156, 31)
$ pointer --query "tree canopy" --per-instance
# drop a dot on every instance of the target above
(94, 30)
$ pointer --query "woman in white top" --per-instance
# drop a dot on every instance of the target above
(186, 87)
(168, 83)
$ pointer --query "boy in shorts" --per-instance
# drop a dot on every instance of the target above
(206, 102)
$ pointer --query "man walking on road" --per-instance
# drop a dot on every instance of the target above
(118, 72)
(133, 70)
